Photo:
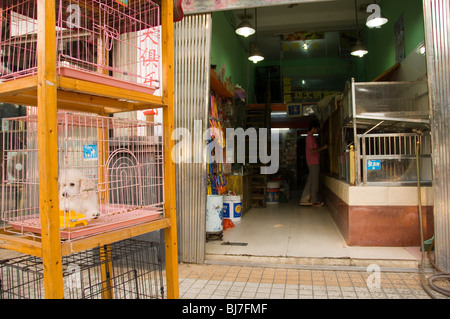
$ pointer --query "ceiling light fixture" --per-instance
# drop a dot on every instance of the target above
(255, 54)
(245, 28)
(377, 22)
(376, 19)
(421, 49)
(359, 49)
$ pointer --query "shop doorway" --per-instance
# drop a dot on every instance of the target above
(286, 231)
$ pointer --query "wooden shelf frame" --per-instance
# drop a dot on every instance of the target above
(219, 87)
(49, 91)
(81, 95)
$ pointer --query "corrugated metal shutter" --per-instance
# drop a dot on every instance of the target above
(192, 41)
(437, 33)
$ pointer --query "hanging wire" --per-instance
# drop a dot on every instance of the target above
(256, 27)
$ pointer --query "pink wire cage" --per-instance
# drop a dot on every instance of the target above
(96, 40)
(121, 160)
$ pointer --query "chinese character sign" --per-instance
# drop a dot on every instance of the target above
(149, 57)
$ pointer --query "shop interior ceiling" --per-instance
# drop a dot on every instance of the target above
(332, 18)
(329, 29)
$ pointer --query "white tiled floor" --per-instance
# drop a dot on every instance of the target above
(290, 231)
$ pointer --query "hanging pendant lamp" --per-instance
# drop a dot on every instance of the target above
(255, 54)
(245, 28)
(378, 20)
(359, 49)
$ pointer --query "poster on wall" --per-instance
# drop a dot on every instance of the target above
(399, 28)
(300, 109)
(308, 109)
(294, 109)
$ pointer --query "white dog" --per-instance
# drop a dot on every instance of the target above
(78, 194)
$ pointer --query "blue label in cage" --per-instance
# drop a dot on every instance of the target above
(374, 165)
(90, 152)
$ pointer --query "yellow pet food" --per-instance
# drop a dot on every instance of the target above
(71, 219)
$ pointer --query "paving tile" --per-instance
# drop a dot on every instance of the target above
(290, 291)
(264, 290)
(234, 294)
(248, 295)
(260, 295)
(277, 291)
(234, 282)
(250, 289)
(349, 295)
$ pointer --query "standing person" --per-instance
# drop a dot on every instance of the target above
(311, 191)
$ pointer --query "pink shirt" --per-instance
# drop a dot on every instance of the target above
(311, 144)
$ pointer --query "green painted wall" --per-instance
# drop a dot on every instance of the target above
(227, 49)
(381, 42)
(327, 67)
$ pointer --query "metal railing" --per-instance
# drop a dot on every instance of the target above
(391, 158)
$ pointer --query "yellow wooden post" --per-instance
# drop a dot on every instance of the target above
(48, 150)
(106, 272)
(170, 233)
(352, 167)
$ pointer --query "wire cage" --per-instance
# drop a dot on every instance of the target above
(130, 269)
(110, 174)
(391, 159)
(115, 41)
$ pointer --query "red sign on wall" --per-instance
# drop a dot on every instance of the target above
(123, 2)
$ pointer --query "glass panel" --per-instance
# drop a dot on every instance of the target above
(392, 99)
(398, 170)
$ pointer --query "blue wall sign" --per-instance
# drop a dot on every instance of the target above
(374, 165)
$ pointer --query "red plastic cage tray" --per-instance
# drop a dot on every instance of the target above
(106, 222)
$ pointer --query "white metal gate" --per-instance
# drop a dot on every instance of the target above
(437, 34)
(192, 42)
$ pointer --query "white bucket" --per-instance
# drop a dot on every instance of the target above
(273, 193)
(214, 207)
(232, 208)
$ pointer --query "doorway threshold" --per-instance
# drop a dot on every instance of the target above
(317, 263)
(287, 235)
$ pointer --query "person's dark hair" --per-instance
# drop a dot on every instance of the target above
(314, 124)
